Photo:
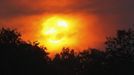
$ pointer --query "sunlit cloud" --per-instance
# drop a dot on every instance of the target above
(95, 19)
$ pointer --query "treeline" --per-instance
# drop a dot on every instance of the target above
(18, 57)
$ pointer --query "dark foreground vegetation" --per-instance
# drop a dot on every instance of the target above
(18, 57)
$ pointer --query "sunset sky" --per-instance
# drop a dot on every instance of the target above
(77, 24)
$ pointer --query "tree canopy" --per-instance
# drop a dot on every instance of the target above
(19, 57)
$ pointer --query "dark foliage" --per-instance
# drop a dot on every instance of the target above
(120, 52)
(18, 57)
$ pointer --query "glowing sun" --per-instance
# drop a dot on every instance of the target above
(56, 33)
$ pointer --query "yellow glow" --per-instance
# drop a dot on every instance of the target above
(56, 33)
(62, 23)
(50, 31)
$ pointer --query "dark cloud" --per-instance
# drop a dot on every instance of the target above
(32, 7)
(10, 8)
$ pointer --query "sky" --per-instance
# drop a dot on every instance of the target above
(94, 19)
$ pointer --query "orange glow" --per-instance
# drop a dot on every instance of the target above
(56, 33)
(77, 32)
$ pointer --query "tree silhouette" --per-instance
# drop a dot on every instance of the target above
(67, 61)
(9, 36)
(122, 45)
(92, 61)
(120, 52)
(19, 57)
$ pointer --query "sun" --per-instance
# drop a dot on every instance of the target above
(62, 23)
(56, 33)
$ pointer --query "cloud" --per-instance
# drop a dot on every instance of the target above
(110, 14)
(11, 8)
(117, 13)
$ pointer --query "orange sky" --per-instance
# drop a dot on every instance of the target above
(93, 20)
